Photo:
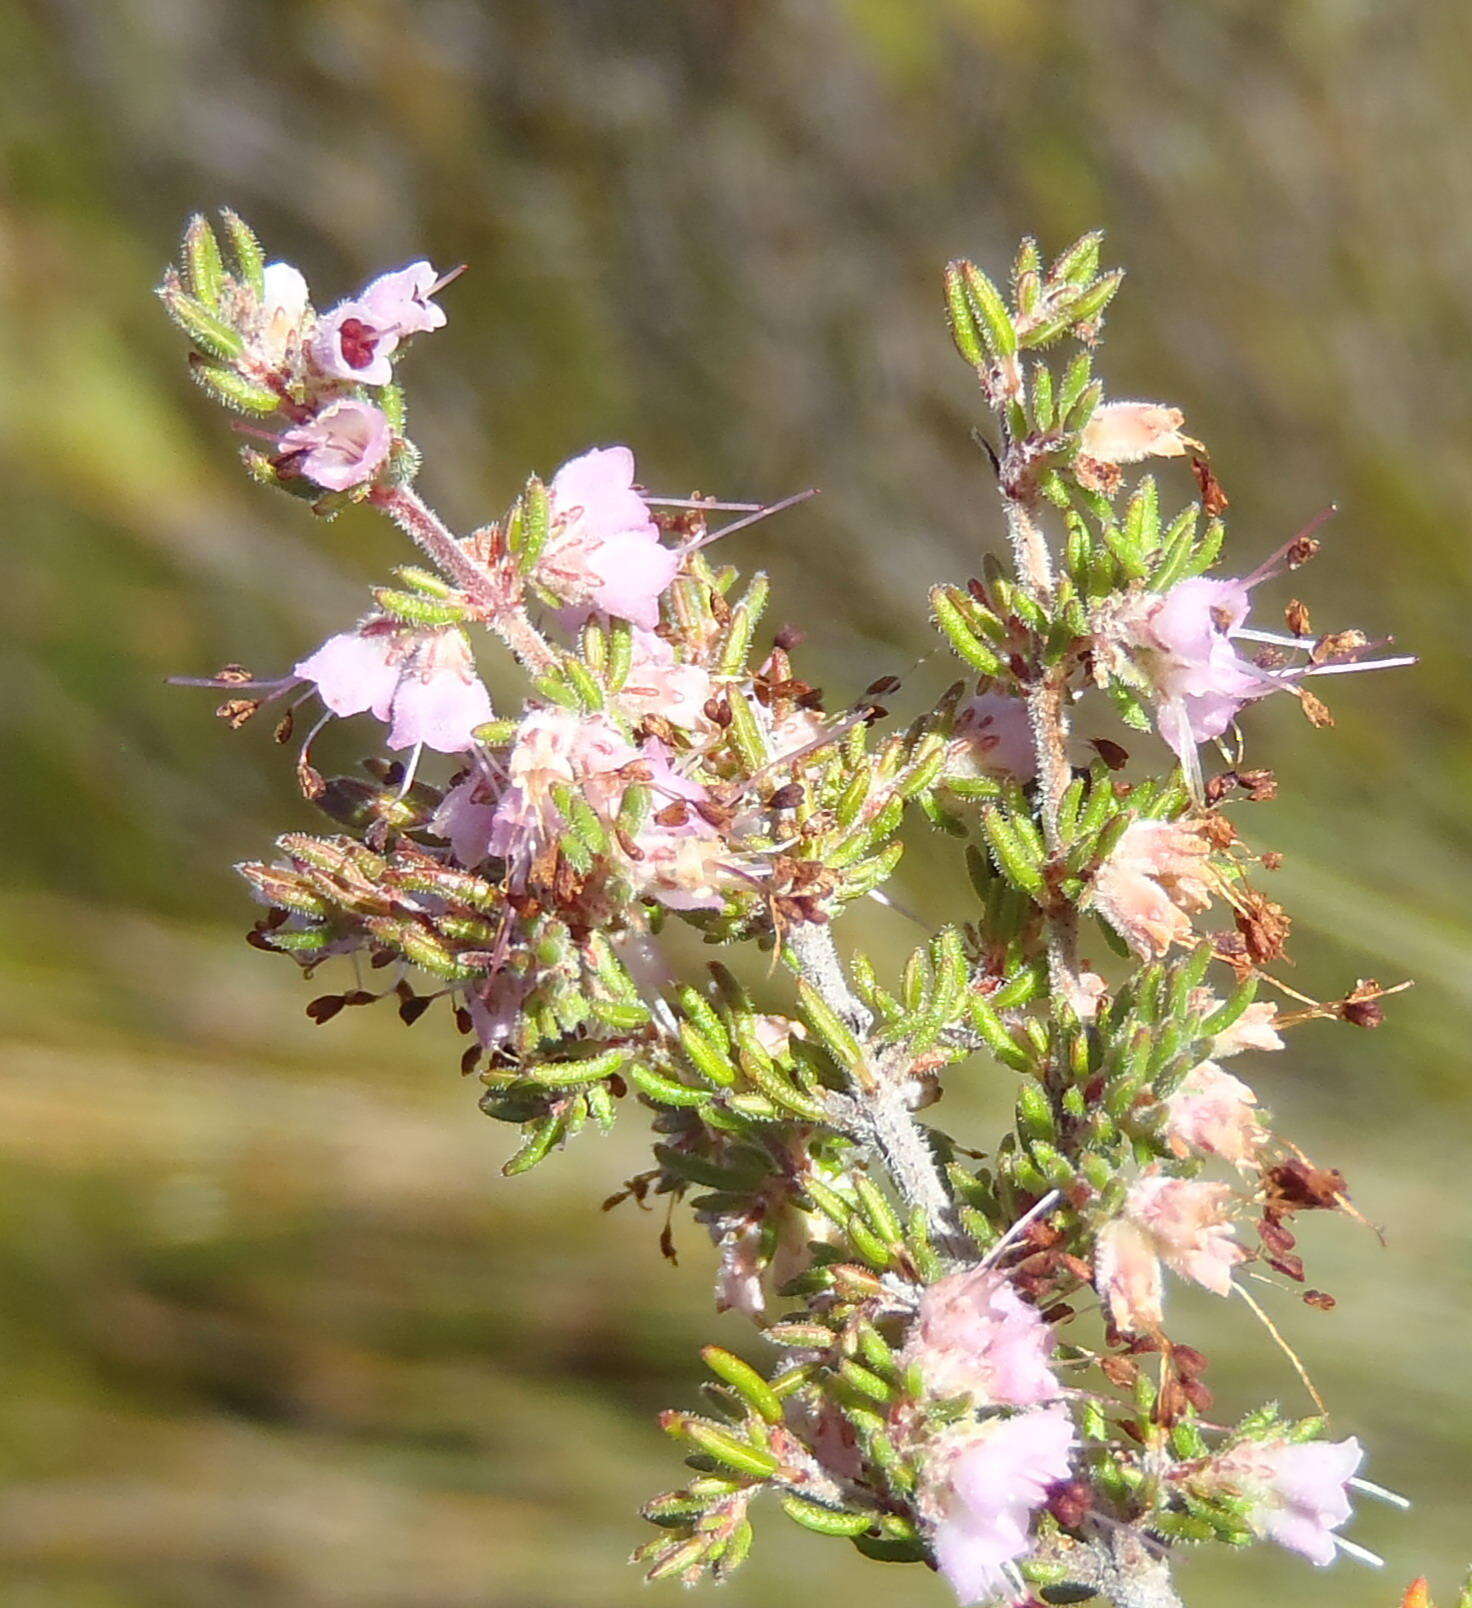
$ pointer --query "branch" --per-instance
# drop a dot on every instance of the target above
(876, 1104)
(1121, 1566)
(1047, 708)
(497, 595)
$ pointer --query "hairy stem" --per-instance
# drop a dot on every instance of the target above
(878, 1097)
(492, 593)
(1047, 708)
(1119, 1566)
(1029, 548)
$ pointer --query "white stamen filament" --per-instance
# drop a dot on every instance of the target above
(1363, 1554)
(704, 503)
(1021, 1226)
(1278, 639)
(409, 773)
(1362, 664)
(1371, 1489)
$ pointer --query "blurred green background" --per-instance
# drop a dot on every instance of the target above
(275, 1332)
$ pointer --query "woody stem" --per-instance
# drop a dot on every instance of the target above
(878, 1096)
(498, 597)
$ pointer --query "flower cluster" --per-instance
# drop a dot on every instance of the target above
(943, 1391)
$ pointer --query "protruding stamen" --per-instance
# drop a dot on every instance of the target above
(1363, 1554)
(1021, 1226)
(1370, 1488)
(1273, 564)
(447, 278)
(704, 503)
(751, 519)
(1357, 664)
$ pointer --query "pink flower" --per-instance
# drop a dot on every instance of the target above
(975, 1336)
(685, 862)
(465, 819)
(995, 1477)
(399, 300)
(495, 1005)
(1125, 432)
(604, 551)
(356, 339)
(1212, 1111)
(283, 307)
(1127, 1275)
(1298, 1494)
(1179, 1221)
(1179, 643)
(1254, 1029)
(422, 682)
(657, 685)
(1156, 876)
(992, 737)
(1201, 682)
(739, 1286)
(1084, 992)
(344, 446)
(555, 746)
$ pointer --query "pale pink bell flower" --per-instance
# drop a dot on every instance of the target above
(974, 1336)
(555, 745)
(1298, 1494)
(344, 446)
(1212, 1112)
(423, 683)
(992, 736)
(357, 338)
(604, 551)
(1126, 432)
(1182, 642)
(996, 1477)
(284, 304)
(1184, 1223)
(1154, 880)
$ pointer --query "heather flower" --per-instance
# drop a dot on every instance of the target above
(1156, 877)
(1182, 1222)
(1254, 1029)
(356, 339)
(1126, 432)
(994, 1479)
(1212, 1111)
(465, 818)
(604, 551)
(344, 446)
(1180, 642)
(554, 747)
(422, 682)
(992, 737)
(400, 299)
(1084, 993)
(1183, 643)
(1297, 1494)
(284, 306)
(494, 1004)
(1127, 1275)
(739, 1272)
(684, 862)
(975, 1336)
(658, 685)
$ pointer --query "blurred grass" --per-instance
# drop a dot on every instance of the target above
(276, 1333)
